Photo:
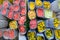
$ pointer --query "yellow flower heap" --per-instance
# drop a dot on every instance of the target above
(48, 33)
(13, 24)
(32, 5)
(56, 22)
(38, 3)
(41, 26)
(46, 4)
(57, 34)
(31, 36)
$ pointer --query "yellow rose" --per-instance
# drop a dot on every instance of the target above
(31, 14)
(32, 5)
(32, 39)
(57, 33)
(48, 33)
(46, 4)
(13, 24)
(41, 26)
(40, 38)
(56, 22)
(31, 34)
(38, 3)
